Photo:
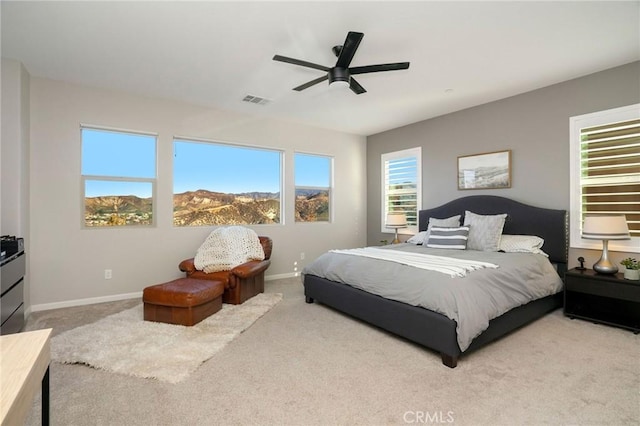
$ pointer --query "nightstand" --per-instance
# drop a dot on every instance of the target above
(605, 299)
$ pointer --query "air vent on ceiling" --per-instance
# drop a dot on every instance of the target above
(256, 100)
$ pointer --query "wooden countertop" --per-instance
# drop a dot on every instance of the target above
(24, 359)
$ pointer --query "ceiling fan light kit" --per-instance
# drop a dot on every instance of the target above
(341, 74)
(339, 85)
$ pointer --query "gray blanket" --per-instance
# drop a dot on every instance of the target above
(472, 301)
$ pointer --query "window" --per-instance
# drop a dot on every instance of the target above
(401, 186)
(222, 184)
(313, 188)
(605, 171)
(118, 177)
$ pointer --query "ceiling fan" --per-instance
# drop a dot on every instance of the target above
(341, 73)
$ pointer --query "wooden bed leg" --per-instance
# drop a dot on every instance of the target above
(449, 361)
(308, 299)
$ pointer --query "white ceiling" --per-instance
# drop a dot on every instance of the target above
(214, 53)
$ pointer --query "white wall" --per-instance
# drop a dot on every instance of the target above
(68, 263)
(15, 145)
(14, 154)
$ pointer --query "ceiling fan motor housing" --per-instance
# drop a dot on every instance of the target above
(338, 74)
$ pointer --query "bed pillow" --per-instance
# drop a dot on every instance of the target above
(521, 244)
(449, 222)
(485, 231)
(418, 238)
(454, 238)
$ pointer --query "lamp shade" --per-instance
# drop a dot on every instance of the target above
(605, 227)
(396, 220)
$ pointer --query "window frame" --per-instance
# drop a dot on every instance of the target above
(389, 156)
(113, 178)
(329, 189)
(281, 171)
(577, 123)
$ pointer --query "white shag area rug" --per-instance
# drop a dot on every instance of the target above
(124, 343)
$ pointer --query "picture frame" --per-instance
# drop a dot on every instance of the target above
(490, 170)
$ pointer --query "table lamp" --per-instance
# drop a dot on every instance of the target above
(605, 227)
(397, 221)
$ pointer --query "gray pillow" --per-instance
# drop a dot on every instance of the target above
(485, 231)
(450, 222)
(449, 238)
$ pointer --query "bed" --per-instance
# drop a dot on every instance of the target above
(433, 329)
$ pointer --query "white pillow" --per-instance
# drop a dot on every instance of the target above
(521, 244)
(485, 231)
(419, 238)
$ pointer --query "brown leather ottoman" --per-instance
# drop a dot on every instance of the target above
(183, 301)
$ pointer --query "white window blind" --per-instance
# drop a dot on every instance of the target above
(608, 161)
(401, 186)
(610, 164)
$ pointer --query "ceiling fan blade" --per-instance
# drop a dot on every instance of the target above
(378, 68)
(349, 48)
(300, 63)
(355, 86)
(311, 83)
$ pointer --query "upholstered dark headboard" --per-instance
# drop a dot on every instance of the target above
(522, 219)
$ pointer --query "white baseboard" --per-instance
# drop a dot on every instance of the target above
(88, 301)
(116, 297)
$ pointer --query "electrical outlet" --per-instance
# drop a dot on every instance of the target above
(107, 274)
(301, 255)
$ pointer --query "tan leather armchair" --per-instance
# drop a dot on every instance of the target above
(240, 283)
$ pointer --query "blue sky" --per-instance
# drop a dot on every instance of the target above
(312, 170)
(211, 166)
(197, 165)
(107, 153)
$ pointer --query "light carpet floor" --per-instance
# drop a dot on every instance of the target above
(124, 343)
(304, 364)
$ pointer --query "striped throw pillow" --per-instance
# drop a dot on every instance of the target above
(449, 238)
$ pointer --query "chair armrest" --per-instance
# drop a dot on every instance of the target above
(251, 268)
(187, 266)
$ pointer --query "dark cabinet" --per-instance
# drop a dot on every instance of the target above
(606, 299)
(12, 272)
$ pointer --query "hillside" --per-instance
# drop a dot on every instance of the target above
(312, 206)
(118, 210)
(202, 207)
(205, 208)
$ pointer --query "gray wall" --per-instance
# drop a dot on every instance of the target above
(534, 125)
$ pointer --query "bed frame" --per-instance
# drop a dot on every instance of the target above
(431, 329)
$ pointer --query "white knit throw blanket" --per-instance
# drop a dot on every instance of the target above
(225, 248)
(446, 265)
